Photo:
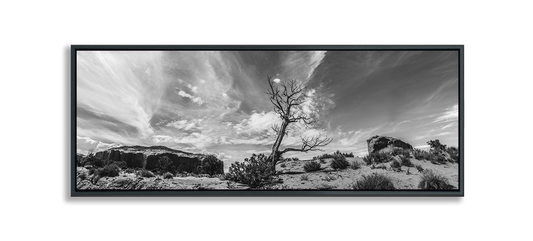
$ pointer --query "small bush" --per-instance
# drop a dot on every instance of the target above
(367, 159)
(168, 175)
(339, 162)
(395, 164)
(92, 171)
(255, 171)
(437, 157)
(111, 170)
(377, 157)
(211, 166)
(406, 161)
(165, 165)
(311, 166)
(454, 153)
(436, 145)
(355, 165)
(283, 165)
(95, 161)
(304, 177)
(146, 173)
(431, 180)
(421, 154)
(83, 175)
(348, 154)
(374, 182)
(419, 168)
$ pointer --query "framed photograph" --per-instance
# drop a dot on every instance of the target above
(244, 120)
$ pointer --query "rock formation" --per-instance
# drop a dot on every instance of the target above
(148, 158)
(385, 143)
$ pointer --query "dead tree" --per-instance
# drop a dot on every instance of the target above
(287, 100)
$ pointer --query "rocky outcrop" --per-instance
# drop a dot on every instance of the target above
(385, 143)
(148, 158)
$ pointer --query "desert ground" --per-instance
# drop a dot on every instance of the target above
(291, 176)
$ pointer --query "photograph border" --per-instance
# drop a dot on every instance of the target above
(263, 193)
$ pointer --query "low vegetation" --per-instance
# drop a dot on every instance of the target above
(374, 182)
(145, 173)
(210, 166)
(255, 171)
(431, 180)
(168, 175)
(339, 162)
(355, 165)
(311, 166)
(377, 157)
(406, 161)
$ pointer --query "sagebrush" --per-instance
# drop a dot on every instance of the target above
(430, 180)
(255, 171)
(311, 166)
(374, 181)
(339, 162)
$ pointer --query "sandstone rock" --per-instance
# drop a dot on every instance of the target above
(148, 158)
(385, 143)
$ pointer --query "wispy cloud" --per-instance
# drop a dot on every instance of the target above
(451, 114)
(194, 99)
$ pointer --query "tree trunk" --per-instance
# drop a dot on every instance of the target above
(274, 156)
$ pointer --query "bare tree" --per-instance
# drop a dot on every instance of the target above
(287, 98)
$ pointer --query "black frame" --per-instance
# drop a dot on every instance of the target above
(263, 193)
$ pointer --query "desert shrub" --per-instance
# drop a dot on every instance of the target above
(283, 165)
(145, 173)
(378, 166)
(374, 182)
(355, 165)
(295, 159)
(436, 145)
(111, 170)
(377, 157)
(168, 175)
(97, 162)
(255, 171)
(311, 166)
(367, 159)
(437, 157)
(164, 164)
(304, 177)
(211, 166)
(93, 171)
(421, 154)
(339, 162)
(83, 175)
(348, 154)
(395, 164)
(419, 168)
(405, 161)
(454, 153)
(431, 180)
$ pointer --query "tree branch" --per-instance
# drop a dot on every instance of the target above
(310, 144)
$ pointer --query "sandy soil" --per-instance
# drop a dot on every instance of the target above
(291, 176)
(294, 176)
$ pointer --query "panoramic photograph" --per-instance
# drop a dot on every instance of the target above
(267, 120)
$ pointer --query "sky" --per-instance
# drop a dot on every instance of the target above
(215, 101)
